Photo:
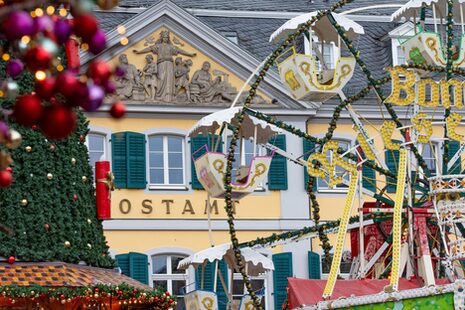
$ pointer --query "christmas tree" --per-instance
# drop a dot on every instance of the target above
(50, 207)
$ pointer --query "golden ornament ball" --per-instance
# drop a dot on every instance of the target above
(49, 176)
(67, 244)
(84, 178)
(15, 139)
(89, 221)
(24, 202)
(107, 4)
(73, 161)
(89, 246)
(28, 149)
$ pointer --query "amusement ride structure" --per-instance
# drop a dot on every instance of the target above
(415, 211)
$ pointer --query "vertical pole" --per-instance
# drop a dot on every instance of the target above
(461, 18)
(255, 140)
(434, 19)
(215, 278)
(361, 235)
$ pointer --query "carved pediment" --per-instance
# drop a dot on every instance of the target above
(163, 69)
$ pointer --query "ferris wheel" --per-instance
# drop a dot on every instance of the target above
(403, 174)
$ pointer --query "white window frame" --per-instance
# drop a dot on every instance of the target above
(167, 186)
(263, 277)
(404, 31)
(106, 143)
(261, 151)
(334, 50)
(168, 276)
(324, 275)
(335, 189)
(437, 145)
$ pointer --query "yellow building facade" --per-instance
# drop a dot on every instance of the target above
(158, 209)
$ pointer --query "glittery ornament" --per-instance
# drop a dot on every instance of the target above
(28, 149)
(49, 176)
(24, 202)
(67, 244)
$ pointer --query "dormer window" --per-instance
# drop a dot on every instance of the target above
(398, 36)
(231, 36)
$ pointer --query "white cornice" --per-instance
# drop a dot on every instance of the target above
(157, 110)
(202, 225)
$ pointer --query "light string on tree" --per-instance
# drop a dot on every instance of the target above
(239, 119)
(125, 293)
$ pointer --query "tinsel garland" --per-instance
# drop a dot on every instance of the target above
(123, 292)
(252, 92)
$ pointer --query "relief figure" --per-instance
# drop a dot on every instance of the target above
(165, 51)
(129, 81)
(150, 77)
(181, 74)
(206, 89)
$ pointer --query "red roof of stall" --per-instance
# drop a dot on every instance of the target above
(309, 292)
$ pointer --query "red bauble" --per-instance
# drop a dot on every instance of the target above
(11, 260)
(38, 58)
(46, 226)
(75, 197)
(66, 84)
(45, 88)
(58, 122)
(118, 109)
(28, 110)
(9, 169)
(85, 26)
(6, 178)
(99, 71)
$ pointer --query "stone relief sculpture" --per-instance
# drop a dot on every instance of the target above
(165, 51)
(167, 79)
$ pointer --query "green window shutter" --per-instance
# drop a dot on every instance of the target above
(122, 260)
(196, 144)
(314, 265)
(368, 174)
(282, 270)
(392, 161)
(208, 277)
(119, 159)
(308, 147)
(138, 265)
(136, 168)
(277, 176)
(222, 295)
(454, 147)
(369, 177)
(128, 159)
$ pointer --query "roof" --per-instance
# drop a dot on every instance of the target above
(310, 292)
(58, 274)
(265, 5)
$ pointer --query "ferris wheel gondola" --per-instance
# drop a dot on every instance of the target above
(307, 76)
(427, 47)
(210, 162)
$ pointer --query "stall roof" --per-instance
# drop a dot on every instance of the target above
(309, 292)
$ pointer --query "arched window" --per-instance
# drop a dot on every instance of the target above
(166, 161)
(165, 274)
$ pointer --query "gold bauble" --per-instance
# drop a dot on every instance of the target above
(73, 161)
(24, 202)
(84, 178)
(89, 221)
(107, 4)
(89, 246)
(49, 176)
(28, 149)
(15, 139)
(67, 244)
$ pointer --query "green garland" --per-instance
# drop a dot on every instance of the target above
(326, 227)
(124, 293)
(252, 92)
(377, 87)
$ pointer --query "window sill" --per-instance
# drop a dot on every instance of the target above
(168, 187)
(333, 191)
